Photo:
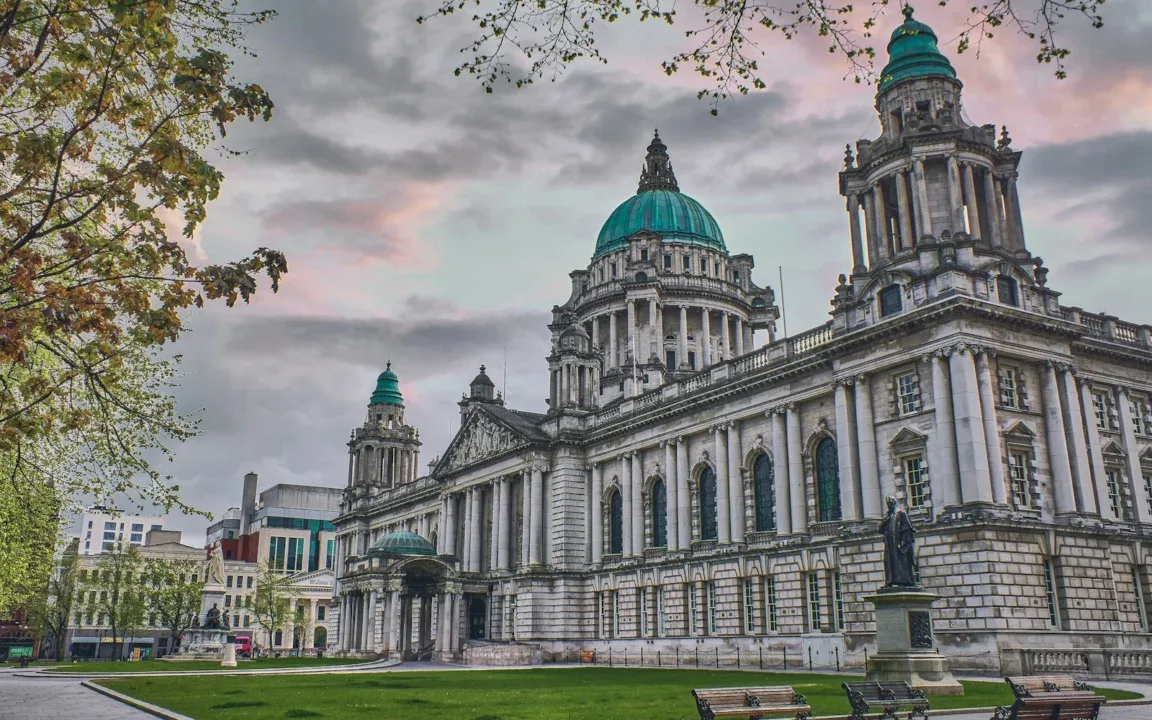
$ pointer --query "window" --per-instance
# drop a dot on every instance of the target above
(890, 301)
(1137, 407)
(1100, 408)
(1009, 383)
(667, 262)
(693, 609)
(644, 254)
(1114, 491)
(247, 621)
(765, 481)
(827, 480)
(194, 577)
(321, 611)
(110, 535)
(136, 538)
(1138, 592)
(735, 276)
(276, 552)
(615, 613)
(615, 523)
(642, 602)
(109, 526)
(1018, 477)
(749, 606)
(659, 514)
(137, 527)
(1050, 594)
(907, 393)
(329, 554)
(89, 524)
(717, 268)
(838, 599)
(156, 527)
(708, 504)
(710, 598)
(106, 546)
(228, 581)
(227, 601)
(249, 585)
(670, 359)
(1007, 289)
(687, 263)
(613, 269)
(660, 629)
(914, 476)
(770, 603)
(813, 603)
(295, 554)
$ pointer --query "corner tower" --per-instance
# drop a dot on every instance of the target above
(385, 451)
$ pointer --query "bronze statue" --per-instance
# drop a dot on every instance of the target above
(899, 551)
(212, 618)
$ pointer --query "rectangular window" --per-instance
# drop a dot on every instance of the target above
(908, 393)
(227, 601)
(838, 598)
(1050, 594)
(1114, 491)
(330, 554)
(644, 254)
(613, 269)
(109, 526)
(1006, 289)
(1009, 383)
(615, 613)
(660, 627)
(110, 535)
(321, 611)
(813, 602)
(670, 359)
(137, 538)
(247, 621)
(1018, 476)
(106, 546)
(228, 581)
(642, 602)
(735, 277)
(717, 273)
(770, 603)
(276, 552)
(1148, 491)
(193, 577)
(156, 527)
(693, 609)
(249, 585)
(1100, 408)
(138, 527)
(1138, 592)
(710, 598)
(749, 606)
(687, 263)
(914, 478)
(1137, 407)
(667, 262)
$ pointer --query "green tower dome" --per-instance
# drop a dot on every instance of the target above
(659, 206)
(403, 543)
(387, 389)
(912, 53)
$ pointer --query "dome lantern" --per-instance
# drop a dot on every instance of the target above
(912, 53)
(387, 389)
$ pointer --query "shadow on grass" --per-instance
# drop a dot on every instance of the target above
(237, 705)
(302, 714)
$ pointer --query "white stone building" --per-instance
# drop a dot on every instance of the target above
(101, 528)
(688, 489)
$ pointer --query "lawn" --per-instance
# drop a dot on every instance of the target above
(540, 694)
(146, 666)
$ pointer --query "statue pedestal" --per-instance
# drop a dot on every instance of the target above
(229, 655)
(905, 647)
(212, 594)
(201, 644)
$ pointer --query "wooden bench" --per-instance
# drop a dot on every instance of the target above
(1029, 685)
(751, 702)
(885, 698)
(1050, 697)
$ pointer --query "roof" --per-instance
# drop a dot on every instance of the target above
(403, 543)
(521, 421)
(387, 389)
(912, 53)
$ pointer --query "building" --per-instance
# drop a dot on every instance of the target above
(100, 527)
(289, 527)
(687, 488)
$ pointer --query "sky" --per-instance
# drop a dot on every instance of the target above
(430, 224)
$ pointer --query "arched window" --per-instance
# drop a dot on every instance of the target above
(765, 478)
(320, 637)
(641, 277)
(827, 480)
(707, 504)
(890, 300)
(659, 514)
(615, 523)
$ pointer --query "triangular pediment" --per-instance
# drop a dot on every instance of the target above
(1146, 456)
(1111, 448)
(482, 437)
(323, 576)
(907, 436)
(1019, 432)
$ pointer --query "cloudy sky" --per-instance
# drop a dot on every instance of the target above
(429, 223)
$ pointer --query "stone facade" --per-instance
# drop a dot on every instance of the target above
(688, 490)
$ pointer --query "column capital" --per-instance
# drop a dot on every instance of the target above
(847, 381)
(732, 424)
(861, 378)
(680, 440)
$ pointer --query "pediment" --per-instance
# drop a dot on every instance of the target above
(1146, 456)
(907, 436)
(323, 576)
(1111, 448)
(1019, 432)
(482, 437)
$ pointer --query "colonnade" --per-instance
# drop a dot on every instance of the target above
(383, 465)
(400, 622)
(482, 547)
(734, 337)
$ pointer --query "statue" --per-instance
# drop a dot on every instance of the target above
(899, 553)
(225, 622)
(212, 618)
(215, 574)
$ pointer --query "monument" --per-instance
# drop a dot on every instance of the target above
(207, 638)
(905, 647)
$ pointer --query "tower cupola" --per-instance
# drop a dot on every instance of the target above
(387, 390)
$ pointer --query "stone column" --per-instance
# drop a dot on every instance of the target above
(682, 360)
(780, 473)
(955, 197)
(991, 426)
(748, 342)
(537, 536)
(613, 342)
(630, 336)
(477, 529)
(1140, 500)
(906, 239)
(596, 331)
(637, 503)
(725, 338)
(1057, 444)
(970, 193)
(1017, 219)
(723, 509)
(706, 339)
(858, 265)
(922, 196)
(441, 624)
(971, 445)
(454, 601)
(494, 502)
(735, 483)
(871, 494)
(739, 336)
(626, 504)
(672, 487)
(526, 516)
(350, 468)
(653, 334)
(684, 498)
(369, 624)
(870, 228)
(991, 209)
(342, 627)
(847, 457)
(395, 620)
(597, 513)
(796, 472)
(1103, 502)
(944, 474)
(1078, 445)
(442, 535)
(504, 533)
(469, 499)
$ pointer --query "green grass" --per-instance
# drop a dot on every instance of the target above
(145, 666)
(539, 694)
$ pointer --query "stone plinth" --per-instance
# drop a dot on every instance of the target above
(201, 644)
(229, 655)
(905, 647)
(501, 654)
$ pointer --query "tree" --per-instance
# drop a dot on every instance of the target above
(173, 595)
(30, 511)
(52, 611)
(272, 601)
(552, 34)
(107, 111)
(302, 629)
(119, 593)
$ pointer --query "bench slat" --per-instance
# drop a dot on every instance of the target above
(751, 702)
(871, 697)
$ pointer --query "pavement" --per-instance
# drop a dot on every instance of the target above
(43, 696)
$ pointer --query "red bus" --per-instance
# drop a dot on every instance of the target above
(244, 645)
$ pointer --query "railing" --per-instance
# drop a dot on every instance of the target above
(1094, 323)
(695, 382)
(1088, 662)
(1129, 662)
(1106, 327)
(808, 341)
(770, 658)
(1044, 661)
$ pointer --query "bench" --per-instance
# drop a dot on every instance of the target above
(885, 698)
(1027, 686)
(1050, 697)
(751, 702)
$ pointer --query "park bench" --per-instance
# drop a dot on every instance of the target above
(751, 702)
(885, 698)
(1050, 697)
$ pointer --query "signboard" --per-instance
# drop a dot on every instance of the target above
(20, 651)
(135, 654)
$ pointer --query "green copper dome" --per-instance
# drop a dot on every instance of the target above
(659, 206)
(912, 53)
(402, 543)
(387, 389)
